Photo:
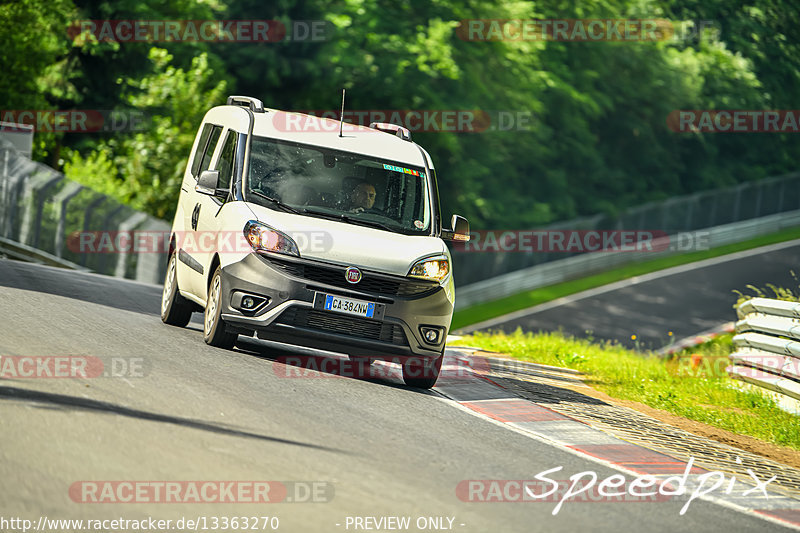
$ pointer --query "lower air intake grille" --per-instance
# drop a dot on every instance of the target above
(343, 325)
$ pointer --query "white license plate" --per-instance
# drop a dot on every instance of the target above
(349, 306)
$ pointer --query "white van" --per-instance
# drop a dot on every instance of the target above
(313, 236)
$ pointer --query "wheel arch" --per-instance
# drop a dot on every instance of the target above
(212, 267)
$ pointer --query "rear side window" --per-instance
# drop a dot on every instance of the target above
(227, 160)
(201, 149)
(209, 150)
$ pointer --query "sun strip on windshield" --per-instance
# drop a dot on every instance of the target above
(403, 170)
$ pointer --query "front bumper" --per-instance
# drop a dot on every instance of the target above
(288, 315)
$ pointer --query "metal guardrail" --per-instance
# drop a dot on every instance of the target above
(40, 209)
(585, 264)
(767, 345)
(19, 135)
(42, 213)
(744, 201)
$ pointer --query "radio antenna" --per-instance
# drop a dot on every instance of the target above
(341, 117)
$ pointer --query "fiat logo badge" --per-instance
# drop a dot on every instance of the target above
(352, 275)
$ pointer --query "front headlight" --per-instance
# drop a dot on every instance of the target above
(263, 238)
(431, 269)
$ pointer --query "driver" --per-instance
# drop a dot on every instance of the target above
(362, 197)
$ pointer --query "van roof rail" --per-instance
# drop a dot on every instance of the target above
(255, 105)
(388, 127)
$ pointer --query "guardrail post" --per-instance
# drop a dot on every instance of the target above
(69, 192)
(738, 201)
(87, 221)
(150, 267)
(101, 264)
(5, 194)
(759, 196)
(127, 226)
(37, 186)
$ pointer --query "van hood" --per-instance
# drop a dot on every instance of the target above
(346, 244)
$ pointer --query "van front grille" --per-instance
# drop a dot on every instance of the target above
(370, 281)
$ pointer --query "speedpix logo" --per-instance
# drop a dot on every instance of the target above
(589, 487)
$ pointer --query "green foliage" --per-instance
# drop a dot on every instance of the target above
(145, 169)
(33, 41)
(598, 142)
(704, 393)
(96, 171)
(772, 291)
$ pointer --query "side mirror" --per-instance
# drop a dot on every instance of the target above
(207, 184)
(459, 231)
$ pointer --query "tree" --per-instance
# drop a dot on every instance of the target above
(148, 166)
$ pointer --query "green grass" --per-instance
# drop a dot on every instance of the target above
(699, 390)
(524, 300)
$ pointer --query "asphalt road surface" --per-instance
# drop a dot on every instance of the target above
(192, 412)
(684, 300)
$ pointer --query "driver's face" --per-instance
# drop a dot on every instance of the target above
(364, 196)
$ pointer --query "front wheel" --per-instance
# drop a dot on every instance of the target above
(213, 326)
(175, 309)
(420, 372)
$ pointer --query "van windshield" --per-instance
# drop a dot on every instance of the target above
(342, 185)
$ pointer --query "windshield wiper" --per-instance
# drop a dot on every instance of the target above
(349, 220)
(275, 201)
(369, 223)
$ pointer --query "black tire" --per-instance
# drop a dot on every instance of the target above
(420, 372)
(213, 326)
(175, 309)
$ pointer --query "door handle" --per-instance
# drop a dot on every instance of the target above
(195, 216)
